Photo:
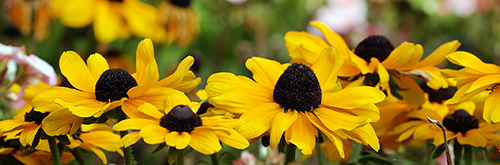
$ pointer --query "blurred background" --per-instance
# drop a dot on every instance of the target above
(222, 34)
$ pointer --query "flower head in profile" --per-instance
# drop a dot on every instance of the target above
(179, 20)
(474, 78)
(180, 127)
(377, 60)
(111, 19)
(296, 100)
(100, 89)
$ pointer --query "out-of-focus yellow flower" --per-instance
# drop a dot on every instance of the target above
(376, 59)
(180, 127)
(21, 14)
(295, 101)
(180, 21)
(112, 19)
(98, 137)
(474, 78)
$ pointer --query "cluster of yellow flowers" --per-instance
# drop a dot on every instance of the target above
(328, 95)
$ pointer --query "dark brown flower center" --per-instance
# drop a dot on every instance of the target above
(181, 119)
(460, 121)
(115, 0)
(374, 46)
(438, 96)
(181, 3)
(35, 116)
(298, 89)
(113, 85)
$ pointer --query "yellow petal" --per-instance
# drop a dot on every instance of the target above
(405, 55)
(482, 82)
(99, 154)
(77, 73)
(473, 137)
(327, 66)
(238, 102)
(153, 134)
(436, 78)
(150, 76)
(304, 47)
(181, 71)
(426, 132)
(367, 135)
(383, 74)
(130, 139)
(134, 124)
(179, 140)
(265, 72)
(460, 95)
(469, 60)
(280, 124)
(258, 120)
(491, 111)
(233, 139)
(106, 140)
(439, 54)
(411, 92)
(333, 38)
(303, 134)
(8, 125)
(164, 98)
(108, 24)
(96, 127)
(97, 65)
(353, 97)
(219, 83)
(144, 54)
(56, 120)
(28, 134)
(76, 14)
(331, 136)
(334, 120)
(204, 141)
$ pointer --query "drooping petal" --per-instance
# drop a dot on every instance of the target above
(405, 55)
(99, 154)
(44, 102)
(56, 120)
(8, 125)
(335, 120)
(439, 54)
(204, 141)
(469, 60)
(303, 134)
(258, 120)
(304, 47)
(491, 111)
(326, 67)
(28, 134)
(265, 72)
(233, 139)
(333, 38)
(108, 24)
(131, 109)
(106, 140)
(97, 65)
(77, 73)
(153, 134)
(482, 82)
(164, 98)
(367, 135)
(130, 139)
(474, 137)
(219, 83)
(280, 124)
(179, 75)
(330, 134)
(133, 124)
(353, 97)
(179, 140)
(150, 78)
(244, 101)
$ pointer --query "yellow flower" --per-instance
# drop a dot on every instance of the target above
(179, 20)
(180, 127)
(296, 100)
(112, 19)
(459, 123)
(376, 59)
(474, 78)
(26, 127)
(41, 157)
(100, 89)
(21, 14)
(95, 137)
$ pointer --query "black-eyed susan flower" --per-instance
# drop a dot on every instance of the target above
(474, 78)
(295, 101)
(376, 59)
(100, 89)
(97, 137)
(179, 20)
(180, 127)
(112, 19)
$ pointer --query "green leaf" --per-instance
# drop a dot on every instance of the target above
(370, 159)
(36, 140)
(438, 151)
(173, 154)
(159, 148)
(27, 152)
(468, 154)
(457, 150)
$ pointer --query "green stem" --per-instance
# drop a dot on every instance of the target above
(180, 157)
(319, 153)
(290, 153)
(127, 151)
(355, 152)
(54, 151)
(214, 159)
(78, 157)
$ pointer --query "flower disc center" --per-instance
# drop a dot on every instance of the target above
(35, 116)
(181, 119)
(113, 85)
(181, 3)
(298, 88)
(460, 121)
(374, 46)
